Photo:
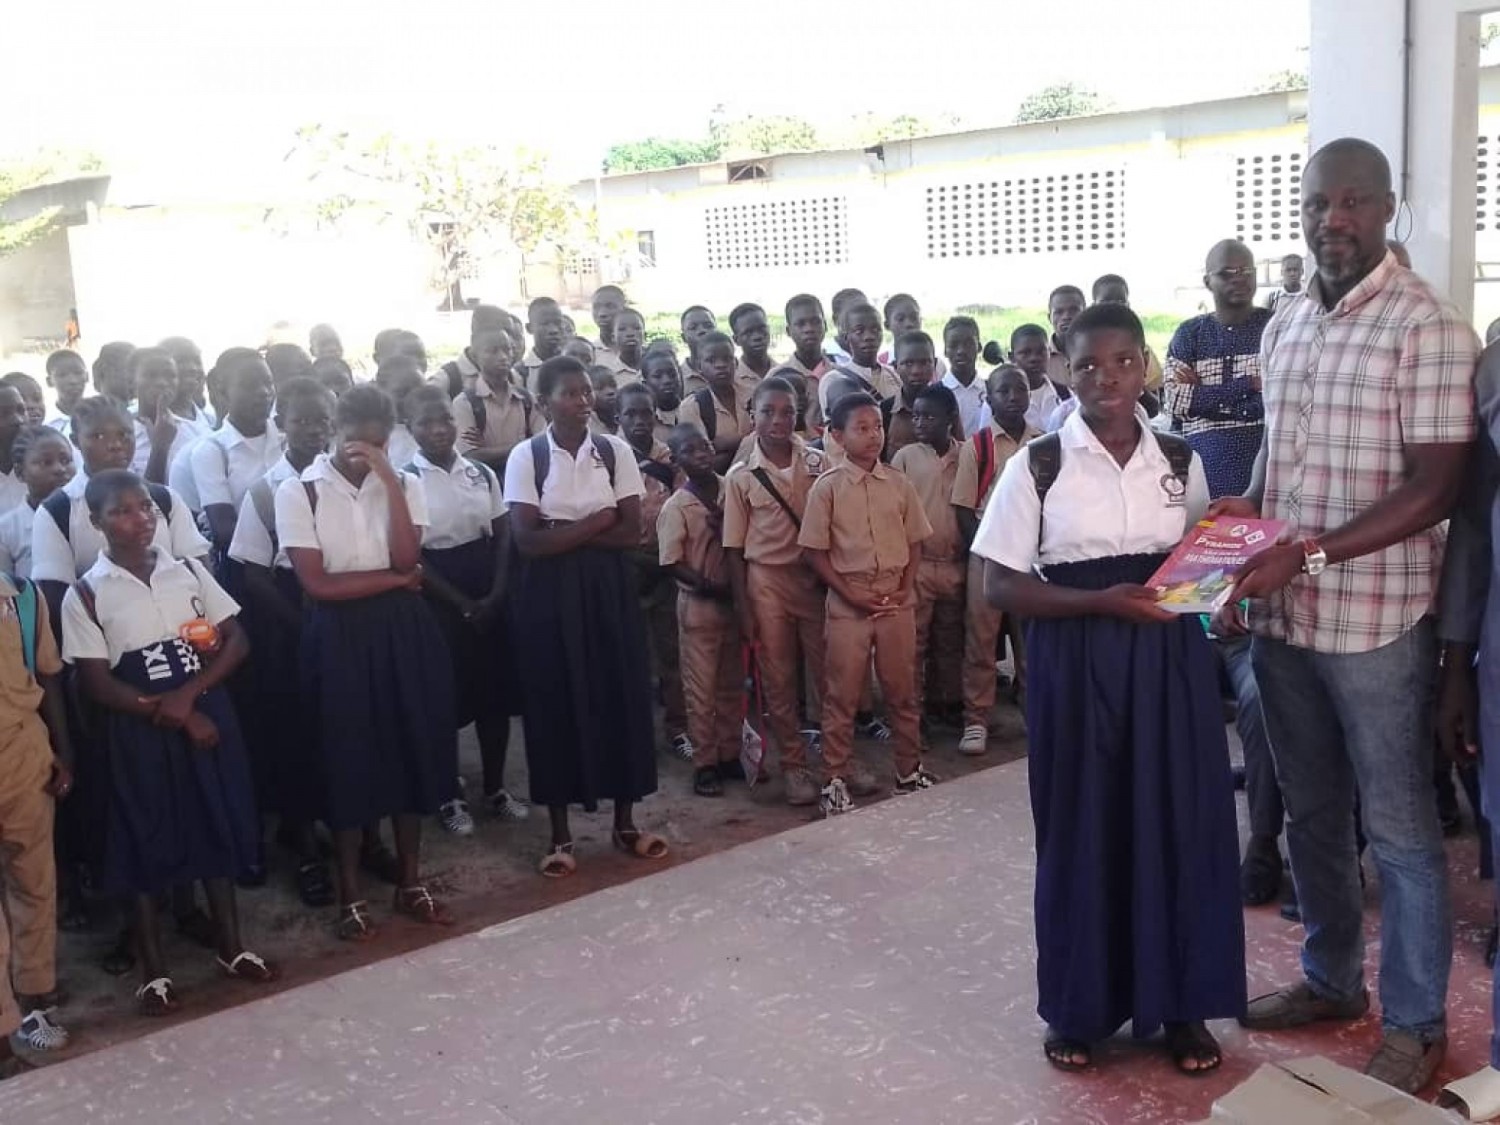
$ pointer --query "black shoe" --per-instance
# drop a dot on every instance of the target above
(706, 782)
(1260, 872)
(314, 886)
(732, 771)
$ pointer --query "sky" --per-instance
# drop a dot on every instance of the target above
(180, 87)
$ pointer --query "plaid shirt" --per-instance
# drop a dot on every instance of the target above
(1346, 391)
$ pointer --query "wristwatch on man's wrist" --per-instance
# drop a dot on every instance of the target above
(1314, 558)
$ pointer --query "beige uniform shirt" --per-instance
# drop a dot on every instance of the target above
(866, 521)
(933, 477)
(753, 521)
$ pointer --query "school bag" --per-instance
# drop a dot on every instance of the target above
(60, 507)
(984, 454)
(1044, 459)
(482, 413)
(26, 619)
(706, 411)
(541, 458)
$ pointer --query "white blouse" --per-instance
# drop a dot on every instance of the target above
(226, 463)
(15, 540)
(575, 487)
(132, 615)
(254, 538)
(352, 525)
(462, 502)
(56, 557)
(1095, 509)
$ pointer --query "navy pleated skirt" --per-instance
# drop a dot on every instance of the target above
(483, 674)
(173, 813)
(1138, 914)
(379, 687)
(585, 678)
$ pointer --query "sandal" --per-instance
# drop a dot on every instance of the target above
(559, 862)
(1065, 1053)
(418, 904)
(1195, 1052)
(642, 845)
(120, 958)
(198, 927)
(38, 1032)
(380, 862)
(314, 886)
(249, 966)
(354, 923)
(706, 782)
(156, 997)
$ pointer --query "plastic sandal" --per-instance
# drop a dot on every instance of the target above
(354, 923)
(418, 904)
(642, 845)
(1193, 1043)
(313, 884)
(156, 997)
(559, 862)
(38, 1032)
(1060, 1052)
(249, 966)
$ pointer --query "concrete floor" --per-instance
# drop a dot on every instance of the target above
(878, 968)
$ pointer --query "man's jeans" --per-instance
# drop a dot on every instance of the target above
(1335, 720)
(1262, 792)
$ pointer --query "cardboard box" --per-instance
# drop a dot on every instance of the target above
(1315, 1091)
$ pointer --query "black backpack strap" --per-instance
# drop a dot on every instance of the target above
(455, 378)
(161, 496)
(311, 488)
(1179, 455)
(765, 482)
(606, 451)
(1044, 459)
(85, 594)
(60, 507)
(481, 412)
(664, 475)
(706, 410)
(541, 463)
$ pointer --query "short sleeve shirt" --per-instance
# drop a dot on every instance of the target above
(754, 521)
(575, 486)
(254, 534)
(56, 557)
(866, 521)
(15, 540)
(463, 502)
(226, 463)
(352, 523)
(688, 533)
(731, 424)
(510, 417)
(933, 476)
(966, 479)
(131, 615)
(20, 693)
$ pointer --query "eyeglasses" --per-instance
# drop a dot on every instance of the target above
(1230, 273)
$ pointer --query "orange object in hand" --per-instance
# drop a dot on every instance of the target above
(202, 634)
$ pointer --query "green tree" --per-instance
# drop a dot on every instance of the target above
(17, 176)
(659, 152)
(759, 136)
(1284, 80)
(1063, 99)
(462, 201)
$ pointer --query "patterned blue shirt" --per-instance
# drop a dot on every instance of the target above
(1212, 392)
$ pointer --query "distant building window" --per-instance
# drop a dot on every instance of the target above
(792, 232)
(581, 265)
(1045, 214)
(645, 246)
(1268, 197)
(1486, 210)
(748, 170)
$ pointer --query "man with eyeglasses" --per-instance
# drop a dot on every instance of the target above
(1369, 415)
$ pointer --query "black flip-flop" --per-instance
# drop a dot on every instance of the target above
(1060, 1050)
(1193, 1042)
(314, 886)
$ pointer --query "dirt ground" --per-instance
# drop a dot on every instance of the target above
(487, 878)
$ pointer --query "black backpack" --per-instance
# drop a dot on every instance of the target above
(60, 507)
(541, 458)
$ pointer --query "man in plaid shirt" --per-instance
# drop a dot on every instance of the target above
(1369, 405)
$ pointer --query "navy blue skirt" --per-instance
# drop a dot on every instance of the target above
(379, 688)
(483, 678)
(1138, 914)
(586, 680)
(173, 813)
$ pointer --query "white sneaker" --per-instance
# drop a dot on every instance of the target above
(454, 817)
(834, 799)
(506, 807)
(918, 779)
(40, 1031)
(682, 748)
(975, 741)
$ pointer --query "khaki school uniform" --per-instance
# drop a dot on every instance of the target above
(814, 420)
(869, 523)
(786, 598)
(658, 597)
(983, 621)
(510, 417)
(689, 531)
(29, 944)
(692, 381)
(884, 380)
(745, 382)
(731, 424)
(940, 579)
(666, 422)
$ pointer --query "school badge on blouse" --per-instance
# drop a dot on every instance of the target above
(1175, 491)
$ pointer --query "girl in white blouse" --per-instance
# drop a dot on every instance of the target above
(374, 665)
(464, 551)
(575, 512)
(44, 462)
(1137, 895)
(153, 639)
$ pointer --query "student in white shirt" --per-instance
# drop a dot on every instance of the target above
(64, 540)
(159, 434)
(277, 715)
(1130, 784)
(378, 672)
(44, 461)
(188, 402)
(229, 460)
(398, 377)
(154, 639)
(68, 376)
(575, 512)
(961, 346)
(12, 421)
(465, 546)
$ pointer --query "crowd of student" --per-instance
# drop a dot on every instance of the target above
(279, 591)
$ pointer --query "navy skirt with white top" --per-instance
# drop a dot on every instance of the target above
(379, 687)
(173, 813)
(585, 680)
(1138, 915)
(484, 682)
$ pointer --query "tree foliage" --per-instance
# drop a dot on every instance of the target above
(462, 201)
(758, 135)
(659, 152)
(1063, 99)
(1284, 80)
(17, 176)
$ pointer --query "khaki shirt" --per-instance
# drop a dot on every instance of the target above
(884, 379)
(20, 693)
(814, 419)
(655, 494)
(901, 432)
(730, 428)
(510, 417)
(753, 521)
(689, 532)
(933, 476)
(866, 521)
(966, 479)
(745, 382)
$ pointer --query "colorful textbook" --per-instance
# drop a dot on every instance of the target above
(1200, 572)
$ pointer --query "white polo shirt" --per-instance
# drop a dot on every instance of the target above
(972, 400)
(226, 463)
(201, 421)
(254, 535)
(65, 558)
(63, 424)
(186, 435)
(12, 490)
(574, 487)
(462, 502)
(400, 447)
(1095, 509)
(133, 615)
(352, 525)
(15, 540)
